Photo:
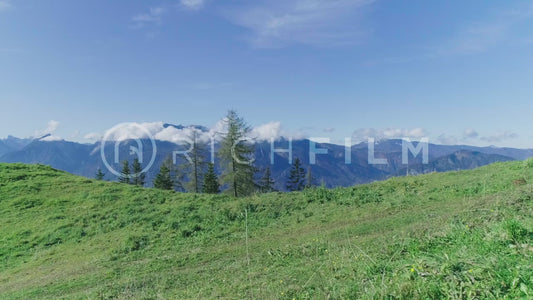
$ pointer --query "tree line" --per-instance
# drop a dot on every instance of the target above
(196, 174)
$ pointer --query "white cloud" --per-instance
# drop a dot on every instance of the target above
(276, 23)
(181, 136)
(93, 136)
(445, 139)
(472, 136)
(5, 5)
(500, 137)
(274, 129)
(157, 130)
(75, 134)
(469, 134)
(362, 134)
(267, 131)
(192, 4)
(218, 129)
(129, 131)
(152, 17)
(50, 128)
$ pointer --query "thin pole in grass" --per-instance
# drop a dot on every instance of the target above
(248, 251)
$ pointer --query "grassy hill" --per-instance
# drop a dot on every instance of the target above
(458, 235)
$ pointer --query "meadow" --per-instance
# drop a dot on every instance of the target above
(455, 235)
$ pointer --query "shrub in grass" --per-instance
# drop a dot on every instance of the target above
(135, 243)
(516, 231)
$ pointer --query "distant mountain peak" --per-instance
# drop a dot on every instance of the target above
(181, 127)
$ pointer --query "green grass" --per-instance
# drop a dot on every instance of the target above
(457, 235)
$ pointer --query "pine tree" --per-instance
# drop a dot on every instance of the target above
(138, 175)
(267, 182)
(309, 179)
(195, 168)
(235, 154)
(99, 174)
(125, 173)
(163, 180)
(211, 185)
(296, 181)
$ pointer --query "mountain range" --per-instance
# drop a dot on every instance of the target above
(330, 169)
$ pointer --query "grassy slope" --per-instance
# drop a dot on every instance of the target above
(458, 235)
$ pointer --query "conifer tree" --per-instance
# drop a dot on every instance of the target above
(99, 174)
(138, 175)
(125, 173)
(235, 154)
(163, 180)
(195, 167)
(211, 185)
(309, 179)
(296, 181)
(266, 184)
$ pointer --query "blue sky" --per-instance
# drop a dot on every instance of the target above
(456, 71)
